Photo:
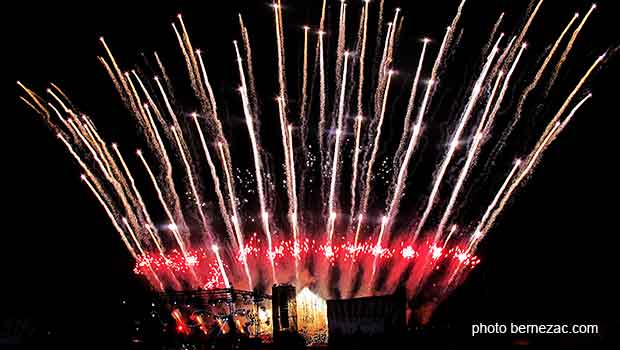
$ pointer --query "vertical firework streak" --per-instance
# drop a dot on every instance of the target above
(294, 214)
(235, 216)
(216, 251)
(568, 48)
(231, 195)
(337, 145)
(529, 89)
(163, 72)
(277, 8)
(259, 180)
(356, 155)
(288, 168)
(519, 38)
(111, 174)
(360, 110)
(187, 50)
(378, 248)
(392, 42)
(471, 155)
(322, 110)
(304, 95)
(332, 188)
(543, 142)
(402, 173)
(570, 97)
(375, 149)
(500, 98)
(340, 44)
(410, 105)
(570, 116)
(223, 149)
(258, 167)
(540, 71)
(190, 175)
(248, 58)
(450, 234)
(150, 226)
(172, 226)
(362, 59)
(181, 147)
(493, 31)
(453, 145)
(164, 158)
(216, 185)
(382, 76)
(413, 141)
(477, 235)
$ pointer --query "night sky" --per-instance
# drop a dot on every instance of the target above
(550, 258)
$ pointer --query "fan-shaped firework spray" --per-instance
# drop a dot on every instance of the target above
(313, 243)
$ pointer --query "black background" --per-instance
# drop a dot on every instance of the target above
(550, 259)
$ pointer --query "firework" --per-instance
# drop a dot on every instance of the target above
(314, 245)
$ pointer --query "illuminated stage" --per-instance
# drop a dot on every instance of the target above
(244, 317)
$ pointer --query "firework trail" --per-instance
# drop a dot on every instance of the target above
(547, 137)
(248, 59)
(356, 155)
(410, 105)
(216, 251)
(172, 226)
(453, 145)
(322, 111)
(190, 175)
(450, 234)
(362, 59)
(337, 145)
(493, 31)
(570, 116)
(570, 97)
(382, 70)
(519, 39)
(340, 46)
(540, 71)
(295, 209)
(257, 168)
(315, 252)
(500, 98)
(277, 9)
(304, 94)
(163, 71)
(469, 162)
(289, 169)
(413, 141)
(171, 193)
(529, 89)
(150, 225)
(216, 186)
(190, 60)
(378, 247)
(568, 48)
(375, 149)
(231, 193)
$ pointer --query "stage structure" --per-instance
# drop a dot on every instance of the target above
(216, 313)
(284, 308)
